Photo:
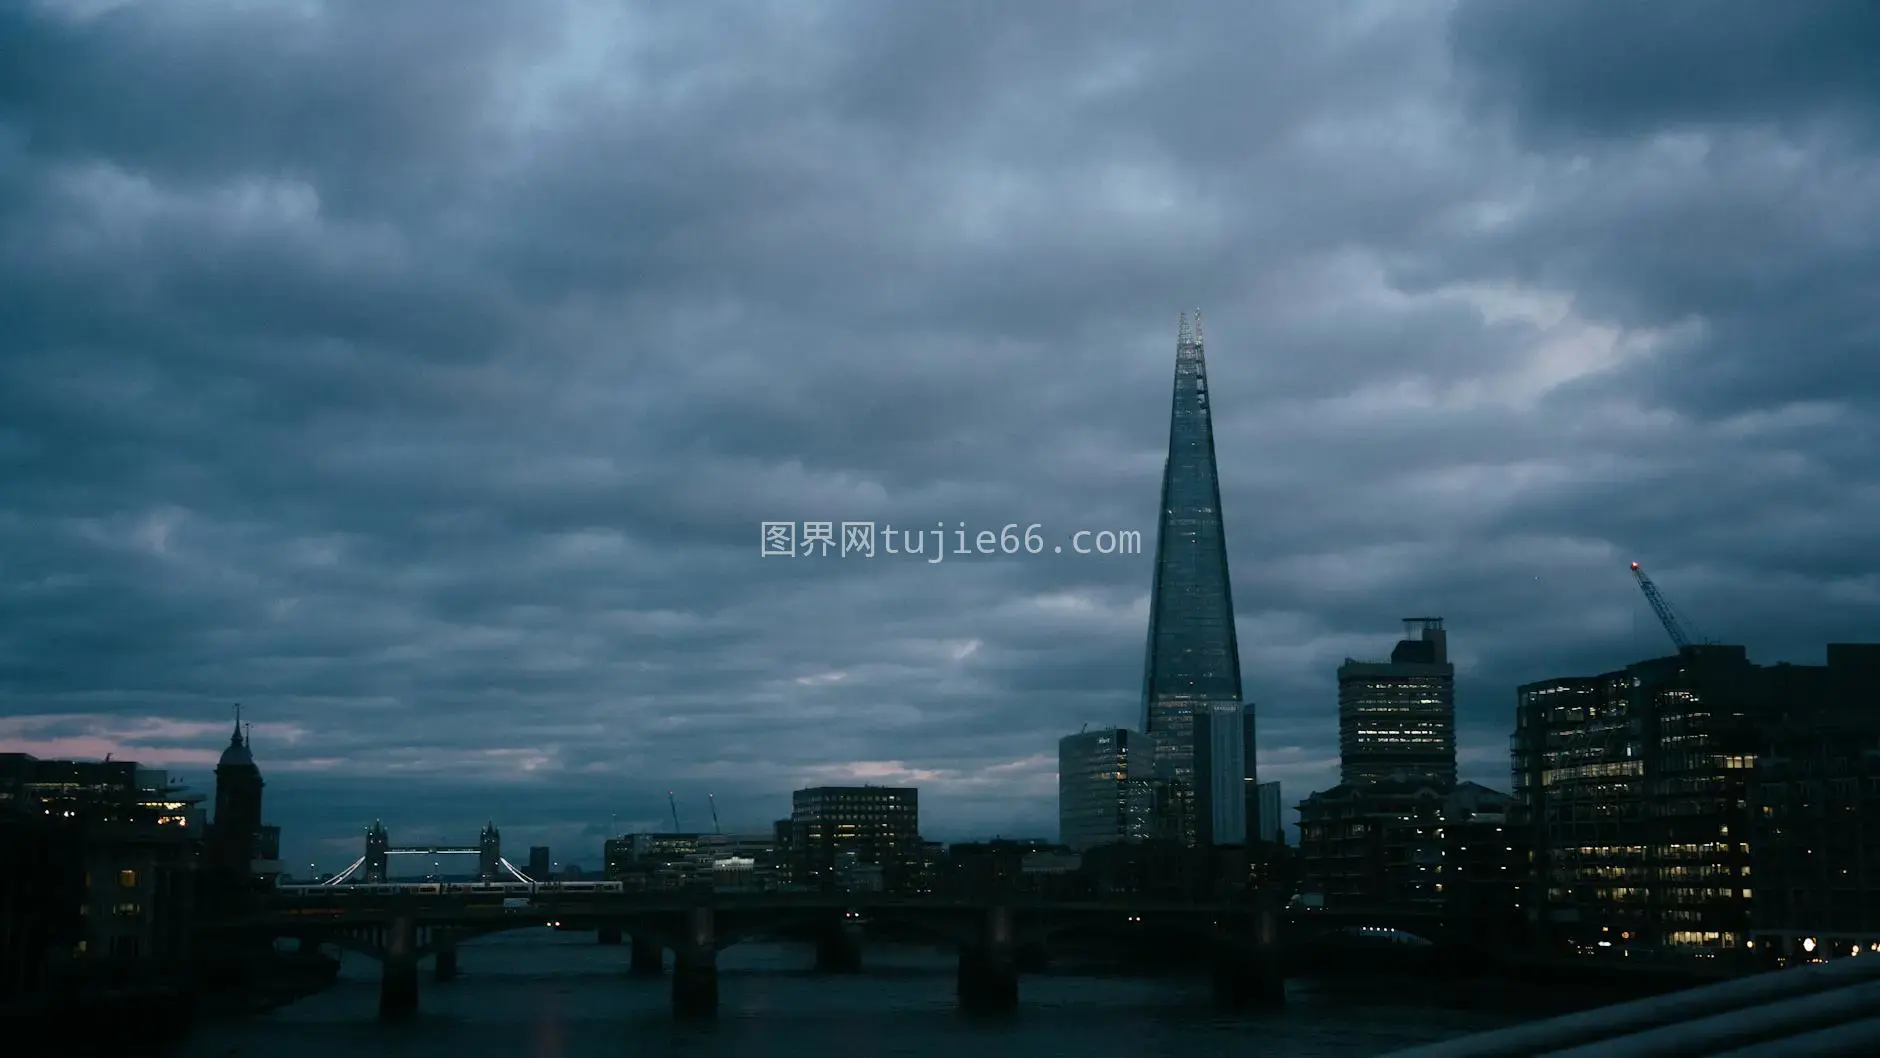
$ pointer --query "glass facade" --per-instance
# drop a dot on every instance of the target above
(1267, 813)
(1220, 775)
(1193, 656)
(1397, 719)
(1106, 794)
(1633, 786)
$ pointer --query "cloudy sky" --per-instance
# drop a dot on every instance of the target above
(419, 375)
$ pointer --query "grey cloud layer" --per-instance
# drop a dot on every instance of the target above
(420, 376)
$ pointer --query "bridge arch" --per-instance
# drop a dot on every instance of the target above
(1384, 930)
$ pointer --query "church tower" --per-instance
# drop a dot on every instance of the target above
(234, 834)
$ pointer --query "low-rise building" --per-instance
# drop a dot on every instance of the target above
(1372, 846)
(110, 890)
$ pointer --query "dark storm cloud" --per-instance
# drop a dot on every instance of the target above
(419, 376)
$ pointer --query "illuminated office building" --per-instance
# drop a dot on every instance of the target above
(1632, 786)
(837, 830)
(1397, 718)
(1106, 791)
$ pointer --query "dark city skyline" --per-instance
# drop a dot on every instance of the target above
(419, 376)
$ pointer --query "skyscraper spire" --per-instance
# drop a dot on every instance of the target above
(1193, 655)
(238, 724)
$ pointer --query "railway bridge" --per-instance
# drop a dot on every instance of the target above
(402, 929)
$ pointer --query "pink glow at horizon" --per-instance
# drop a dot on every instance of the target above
(93, 747)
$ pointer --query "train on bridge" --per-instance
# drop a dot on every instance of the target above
(318, 890)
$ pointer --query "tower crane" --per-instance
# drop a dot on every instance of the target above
(712, 799)
(1666, 615)
(673, 803)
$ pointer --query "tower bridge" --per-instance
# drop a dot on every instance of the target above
(375, 866)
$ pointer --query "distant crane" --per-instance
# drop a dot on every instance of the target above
(1666, 615)
(673, 802)
(712, 799)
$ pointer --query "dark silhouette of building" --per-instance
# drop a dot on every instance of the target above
(1160, 869)
(236, 833)
(101, 882)
(652, 860)
(1814, 811)
(540, 865)
(378, 865)
(1249, 759)
(783, 833)
(41, 923)
(984, 870)
(1483, 873)
(1412, 844)
(1373, 845)
(1397, 719)
(837, 830)
(1193, 655)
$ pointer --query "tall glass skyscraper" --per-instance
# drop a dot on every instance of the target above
(1193, 661)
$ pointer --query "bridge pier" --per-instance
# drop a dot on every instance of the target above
(988, 971)
(649, 956)
(695, 968)
(398, 988)
(839, 947)
(1251, 977)
(608, 934)
(445, 967)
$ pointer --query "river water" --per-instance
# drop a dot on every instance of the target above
(542, 994)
